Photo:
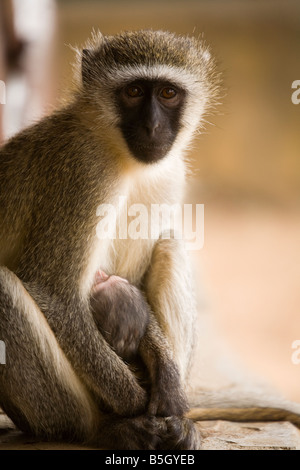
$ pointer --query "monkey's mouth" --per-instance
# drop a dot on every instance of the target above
(149, 153)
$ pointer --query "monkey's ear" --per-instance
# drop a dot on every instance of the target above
(86, 63)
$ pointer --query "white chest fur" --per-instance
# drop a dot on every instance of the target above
(126, 230)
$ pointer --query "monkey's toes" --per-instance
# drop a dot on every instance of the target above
(180, 434)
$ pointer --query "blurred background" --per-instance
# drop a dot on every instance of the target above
(245, 167)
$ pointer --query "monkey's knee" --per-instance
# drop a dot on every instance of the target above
(39, 389)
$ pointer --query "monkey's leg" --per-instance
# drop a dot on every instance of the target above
(38, 388)
(167, 397)
(168, 287)
(41, 393)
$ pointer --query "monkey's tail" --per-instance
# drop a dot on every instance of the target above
(251, 414)
(243, 406)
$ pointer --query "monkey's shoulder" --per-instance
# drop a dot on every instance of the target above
(52, 136)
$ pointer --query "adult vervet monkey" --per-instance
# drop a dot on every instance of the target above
(141, 98)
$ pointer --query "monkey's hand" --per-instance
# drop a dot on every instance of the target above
(167, 397)
(121, 313)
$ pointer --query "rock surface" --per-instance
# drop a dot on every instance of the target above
(216, 435)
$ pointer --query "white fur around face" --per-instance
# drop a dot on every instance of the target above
(196, 88)
(172, 74)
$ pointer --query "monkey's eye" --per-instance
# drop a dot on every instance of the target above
(134, 91)
(168, 93)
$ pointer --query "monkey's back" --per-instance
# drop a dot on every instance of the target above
(47, 175)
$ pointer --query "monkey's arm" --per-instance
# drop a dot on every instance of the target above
(99, 367)
(167, 397)
(103, 371)
(168, 343)
(169, 293)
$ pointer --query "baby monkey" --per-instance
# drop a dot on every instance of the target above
(121, 313)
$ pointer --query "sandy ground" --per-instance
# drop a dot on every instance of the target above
(250, 266)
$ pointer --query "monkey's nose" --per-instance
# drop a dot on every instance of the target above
(152, 128)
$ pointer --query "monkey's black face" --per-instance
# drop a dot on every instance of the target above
(150, 117)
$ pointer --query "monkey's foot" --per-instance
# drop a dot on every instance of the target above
(149, 433)
(180, 434)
